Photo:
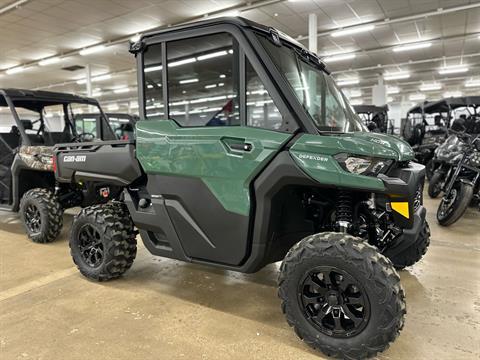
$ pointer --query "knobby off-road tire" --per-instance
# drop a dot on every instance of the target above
(414, 252)
(435, 184)
(103, 243)
(464, 194)
(383, 295)
(41, 214)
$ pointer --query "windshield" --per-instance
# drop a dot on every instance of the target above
(315, 89)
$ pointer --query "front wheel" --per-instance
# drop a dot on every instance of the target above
(341, 295)
(430, 169)
(42, 215)
(436, 184)
(454, 204)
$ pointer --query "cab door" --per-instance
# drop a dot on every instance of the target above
(223, 128)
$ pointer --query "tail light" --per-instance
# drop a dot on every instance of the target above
(54, 163)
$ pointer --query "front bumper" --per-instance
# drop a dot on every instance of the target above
(403, 194)
(408, 236)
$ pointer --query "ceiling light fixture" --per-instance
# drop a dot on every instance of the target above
(453, 69)
(49, 61)
(188, 81)
(181, 62)
(413, 46)
(339, 57)
(452, 94)
(393, 90)
(430, 87)
(153, 68)
(212, 55)
(353, 30)
(95, 79)
(417, 97)
(345, 82)
(396, 76)
(356, 102)
(472, 83)
(135, 38)
(121, 90)
(91, 50)
(15, 70)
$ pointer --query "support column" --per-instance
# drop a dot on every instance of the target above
(312, 33)
(88, 77)
(379, 93)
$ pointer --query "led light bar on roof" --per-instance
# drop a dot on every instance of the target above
(353, 30)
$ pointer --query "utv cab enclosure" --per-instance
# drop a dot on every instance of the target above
(247, 153)
(31, 123)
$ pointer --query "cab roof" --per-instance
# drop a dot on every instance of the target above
(43, 98)
(237, 21)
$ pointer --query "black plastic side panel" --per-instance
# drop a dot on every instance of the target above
(207, 231)
(113, 161)
(156, 229)
(281, 172)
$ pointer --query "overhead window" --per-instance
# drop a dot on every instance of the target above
(203, 81)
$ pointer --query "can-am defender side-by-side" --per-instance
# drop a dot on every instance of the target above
(248, 154)
(31, 123)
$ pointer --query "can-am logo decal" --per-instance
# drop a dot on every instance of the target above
(73, 158)
(312, 157)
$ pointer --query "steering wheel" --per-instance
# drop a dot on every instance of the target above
(85, 137)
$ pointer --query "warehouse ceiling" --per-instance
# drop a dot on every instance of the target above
(42, 41)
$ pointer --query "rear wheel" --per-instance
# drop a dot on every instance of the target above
(42, 215)
(103, 244)
(454, 204)
(341, 295)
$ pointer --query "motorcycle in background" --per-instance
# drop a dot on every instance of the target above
(446, 156)
(462, 184)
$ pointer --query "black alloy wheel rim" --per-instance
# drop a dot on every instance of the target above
(334, 302)
(90, 245)
(33, 219)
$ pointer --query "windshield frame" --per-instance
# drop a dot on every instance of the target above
(305, 58)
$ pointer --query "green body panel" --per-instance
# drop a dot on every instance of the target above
(203, 152)
(314, 154)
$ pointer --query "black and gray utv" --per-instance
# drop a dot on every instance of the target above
(31, 123)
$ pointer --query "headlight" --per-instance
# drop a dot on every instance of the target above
(363, 165)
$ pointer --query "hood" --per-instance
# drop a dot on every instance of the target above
(359, 143)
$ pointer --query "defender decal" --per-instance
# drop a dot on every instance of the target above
(313, 157)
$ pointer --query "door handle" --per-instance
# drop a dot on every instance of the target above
(241, 147)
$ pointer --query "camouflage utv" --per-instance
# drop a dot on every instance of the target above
(31, 123)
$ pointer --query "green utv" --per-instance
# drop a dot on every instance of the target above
(246, 154)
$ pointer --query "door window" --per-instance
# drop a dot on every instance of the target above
(152, 60)
(261, 110)
(203, 81)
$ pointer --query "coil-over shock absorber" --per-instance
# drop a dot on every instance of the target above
(344, 210)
